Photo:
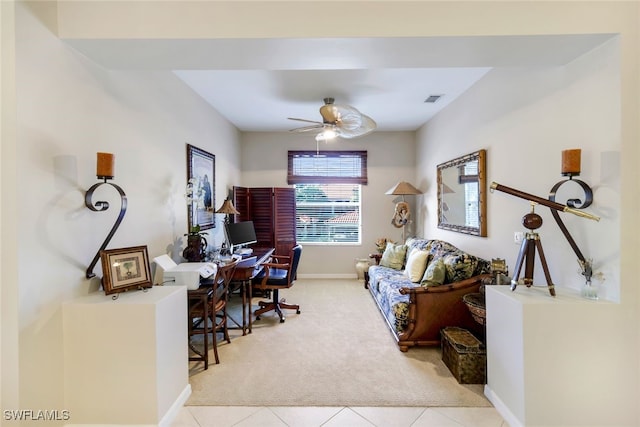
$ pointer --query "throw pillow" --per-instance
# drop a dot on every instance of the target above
(393, 256)
(459, 266)
(435, 274)
(416, 264)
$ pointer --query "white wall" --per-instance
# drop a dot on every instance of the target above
(67, 110)
(390, 158)
(9, 354)
(524, 118)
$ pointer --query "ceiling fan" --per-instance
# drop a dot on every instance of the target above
(341, 121)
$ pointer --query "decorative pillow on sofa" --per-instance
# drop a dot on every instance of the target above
(435, 274)
(393, 256)
(459, 266)
(416, 264)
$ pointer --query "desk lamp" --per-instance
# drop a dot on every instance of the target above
(228, 209)
(402, 214)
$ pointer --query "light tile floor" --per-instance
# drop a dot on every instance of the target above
(249, 416)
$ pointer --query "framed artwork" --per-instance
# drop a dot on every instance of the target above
(201, 184)
(124, 269)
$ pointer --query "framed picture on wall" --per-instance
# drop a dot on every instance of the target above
(125, 269)
(201, 184)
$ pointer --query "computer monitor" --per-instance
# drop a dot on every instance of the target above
(240, 234)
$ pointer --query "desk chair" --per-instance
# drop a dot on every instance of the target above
(216, 310)
(277, 275)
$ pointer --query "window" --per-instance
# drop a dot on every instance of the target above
(328, 195)
(471, 191)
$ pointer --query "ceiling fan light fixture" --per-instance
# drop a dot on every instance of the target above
(342, 121)
(326, 135)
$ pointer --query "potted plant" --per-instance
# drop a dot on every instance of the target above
(196, 245)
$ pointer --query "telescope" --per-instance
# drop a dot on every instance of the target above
(545, 202)
(532, 242)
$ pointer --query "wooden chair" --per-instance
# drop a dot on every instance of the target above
(216, 310)
(277, 275)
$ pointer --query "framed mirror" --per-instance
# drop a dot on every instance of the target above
(462, 192)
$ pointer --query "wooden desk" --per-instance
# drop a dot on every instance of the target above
(246, 270)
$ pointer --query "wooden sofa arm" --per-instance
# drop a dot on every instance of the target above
(436, 307)
(449, 287)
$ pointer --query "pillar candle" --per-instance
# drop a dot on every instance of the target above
(105, 165)
(571, 162)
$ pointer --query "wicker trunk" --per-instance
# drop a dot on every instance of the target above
(464, 355)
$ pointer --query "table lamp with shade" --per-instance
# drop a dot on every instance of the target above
(402, 214)
(228, 209)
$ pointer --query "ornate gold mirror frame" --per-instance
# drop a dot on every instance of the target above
(462, 193)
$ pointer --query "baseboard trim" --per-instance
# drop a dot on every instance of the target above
(502, 409)
(166, 421)
(175, 408)
(328, 276)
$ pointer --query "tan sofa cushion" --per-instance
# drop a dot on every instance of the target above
(393, 256)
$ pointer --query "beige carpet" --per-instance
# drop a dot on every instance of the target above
(337, 352)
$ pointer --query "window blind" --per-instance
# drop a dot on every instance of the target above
(339, 167)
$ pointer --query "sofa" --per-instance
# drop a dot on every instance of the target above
(418, 286)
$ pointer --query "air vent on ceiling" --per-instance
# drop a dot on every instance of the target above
(432, 98)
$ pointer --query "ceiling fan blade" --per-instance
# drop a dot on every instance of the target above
(304, 120)
(349, 118)
(318, 126)
(367, 125)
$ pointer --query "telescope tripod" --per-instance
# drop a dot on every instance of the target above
(527, 254)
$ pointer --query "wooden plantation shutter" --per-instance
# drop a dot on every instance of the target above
(273, 212)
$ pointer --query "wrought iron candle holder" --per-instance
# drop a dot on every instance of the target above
(571, 168)
(105, 173)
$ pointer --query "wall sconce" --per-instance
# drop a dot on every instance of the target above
(571, 160)
(104, 171)
(402, 214)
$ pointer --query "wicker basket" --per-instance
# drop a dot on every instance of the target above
(476, 304)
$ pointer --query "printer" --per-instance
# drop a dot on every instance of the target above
(186, 274)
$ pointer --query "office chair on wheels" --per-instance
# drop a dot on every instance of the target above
(277, 275)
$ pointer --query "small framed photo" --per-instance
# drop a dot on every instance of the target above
(201, 184)
(124, 269)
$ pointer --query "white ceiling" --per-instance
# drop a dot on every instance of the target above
(257, 83)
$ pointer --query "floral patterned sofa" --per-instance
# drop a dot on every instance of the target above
(418, 287)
